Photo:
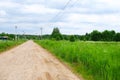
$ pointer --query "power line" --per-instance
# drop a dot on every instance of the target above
(65, 6)
(54, 17)
(61, 12)
(63, 9)
(74, 3)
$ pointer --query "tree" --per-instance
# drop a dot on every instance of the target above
(56, 34)
(87, 37)
(65, 37)
(112, 33)
(3, 34)
(11, 36)
(72, 38)
(96, 35)
(117, 37)
(108, 35)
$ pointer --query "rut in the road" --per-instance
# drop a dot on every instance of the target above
(31, 62)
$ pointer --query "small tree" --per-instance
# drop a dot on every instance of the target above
(96, 35)
(56, 34)
(72, 38)
(117, 37)
(108, 35)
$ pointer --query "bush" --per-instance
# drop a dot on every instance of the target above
(72, 38)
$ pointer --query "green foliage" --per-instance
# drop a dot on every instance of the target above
(117, 37)
(99, 59)
(72, 38)
(10, 36)
(3, 34)
(66, 37)
(56, 34)
(108, 35)
(4, 45)
(96, 35)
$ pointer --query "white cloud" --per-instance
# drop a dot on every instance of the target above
(38, 9)
(8, 4)
(2, 20)
(114, 3)
(2, 13)
(79, 17)
(93, 18)
(110, 19)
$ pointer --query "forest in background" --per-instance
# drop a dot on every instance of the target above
(95, 35)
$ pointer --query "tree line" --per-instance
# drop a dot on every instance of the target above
(19, 36)
(95, 35)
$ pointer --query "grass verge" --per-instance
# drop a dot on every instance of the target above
(5, 45)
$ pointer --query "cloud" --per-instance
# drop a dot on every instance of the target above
(2, 13)
(92, 18)
(79, 17)
(38, 9)
(2, 20)
(8, 4)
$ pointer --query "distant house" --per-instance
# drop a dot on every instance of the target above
(4, 37)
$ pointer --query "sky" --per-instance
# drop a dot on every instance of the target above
(70, 16)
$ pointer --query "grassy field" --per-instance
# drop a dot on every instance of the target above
(5, 45)
(94, 60)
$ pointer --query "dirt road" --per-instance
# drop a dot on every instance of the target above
(31, 62)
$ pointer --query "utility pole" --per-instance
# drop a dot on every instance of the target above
(16, 33)
(37, 36)
(41, 32)
(24, 34)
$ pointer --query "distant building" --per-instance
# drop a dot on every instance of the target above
(4, 37)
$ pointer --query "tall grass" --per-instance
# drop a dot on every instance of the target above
(5, 45)
(99, 59)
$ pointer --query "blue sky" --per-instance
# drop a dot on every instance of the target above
(79, 17)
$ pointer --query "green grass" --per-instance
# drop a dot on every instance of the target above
(94, 60)
(5, 45)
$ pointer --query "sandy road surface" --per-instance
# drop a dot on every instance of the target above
(31, 62)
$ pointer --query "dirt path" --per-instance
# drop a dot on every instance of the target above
(31, 62)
